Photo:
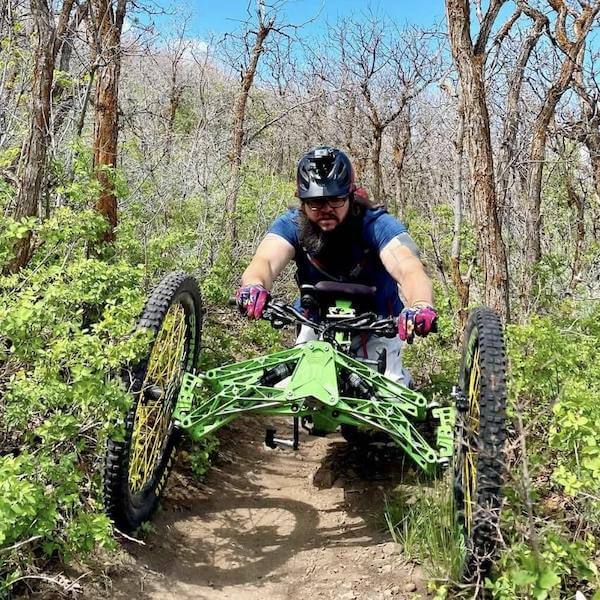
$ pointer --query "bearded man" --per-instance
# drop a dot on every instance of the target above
(337, 234)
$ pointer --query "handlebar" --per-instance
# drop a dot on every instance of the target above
(281, 314)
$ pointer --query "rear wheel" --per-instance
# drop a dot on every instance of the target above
(138, 466)
(479, 441)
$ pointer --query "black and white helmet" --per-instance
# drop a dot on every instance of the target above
(323, 172)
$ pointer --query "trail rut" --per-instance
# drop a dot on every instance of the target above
(274, 524)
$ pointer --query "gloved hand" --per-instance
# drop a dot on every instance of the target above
(419, 320)
(251, 299)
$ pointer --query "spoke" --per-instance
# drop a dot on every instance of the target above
(469, 474)
(153, 417)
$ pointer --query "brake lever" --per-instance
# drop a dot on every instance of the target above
(386, 328)
(275, 313)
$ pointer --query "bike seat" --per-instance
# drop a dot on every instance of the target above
(337, 288)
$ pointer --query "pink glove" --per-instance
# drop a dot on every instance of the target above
(251, 299)
(416, 321)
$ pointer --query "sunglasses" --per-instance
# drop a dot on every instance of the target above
(318, 204)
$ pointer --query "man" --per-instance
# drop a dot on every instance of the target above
(336, 234)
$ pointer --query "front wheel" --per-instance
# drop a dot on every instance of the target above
(479, 441)
(137, 467)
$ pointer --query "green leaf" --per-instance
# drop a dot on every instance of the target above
(523, 578)
(548, 579)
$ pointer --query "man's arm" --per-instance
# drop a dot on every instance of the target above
(406, 268)
(271, 257)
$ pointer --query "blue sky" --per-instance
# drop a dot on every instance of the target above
(220, 16)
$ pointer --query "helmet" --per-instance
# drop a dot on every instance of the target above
(324, 171)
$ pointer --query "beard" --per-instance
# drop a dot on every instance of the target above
(332, 248)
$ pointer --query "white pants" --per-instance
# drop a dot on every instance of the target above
(369, 348)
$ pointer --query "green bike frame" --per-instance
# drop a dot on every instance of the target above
(307, 384)
(210, 400)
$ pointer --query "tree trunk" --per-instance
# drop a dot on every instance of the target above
(589, 130)
(462, 284)
(86, 100)
(378, 126)
(63, 105)
(174, 102)
(577, 203)
(592, 143)
(356, 153)
(33, 155)
(533, 250)
(511, 121)
(537, 154)
(175, 95)
(470, 64)
(239, 116)
(109, 23)
(32, 168)
(400, 148)
(378, 194)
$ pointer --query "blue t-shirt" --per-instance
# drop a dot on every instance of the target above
(378, 229)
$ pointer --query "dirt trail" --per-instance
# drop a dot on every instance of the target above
(274, 524)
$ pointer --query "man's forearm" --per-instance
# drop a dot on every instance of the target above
(258, 272)
(417, 288)
(407, 269)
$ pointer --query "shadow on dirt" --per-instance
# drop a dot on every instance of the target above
(367, 475)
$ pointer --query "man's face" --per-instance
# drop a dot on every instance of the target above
(327, 213)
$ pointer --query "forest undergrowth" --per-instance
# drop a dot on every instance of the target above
(68, 328)
(67, 322)
(550, 521)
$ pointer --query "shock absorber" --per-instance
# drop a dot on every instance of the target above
(270, 378)
(277, 374)
(358, 385)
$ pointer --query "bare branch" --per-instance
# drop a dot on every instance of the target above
(505, 29)
(251, 137)
(486, 26)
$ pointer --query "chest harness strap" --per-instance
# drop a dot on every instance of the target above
(354, 272)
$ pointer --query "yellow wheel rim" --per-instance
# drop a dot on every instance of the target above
(153, 417)
(469, 464)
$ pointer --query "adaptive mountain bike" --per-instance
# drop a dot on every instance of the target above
(321, 383)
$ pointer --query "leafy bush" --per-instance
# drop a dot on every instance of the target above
(202, 452)
(555, 386)
(560, 565)
(555, 381)
(65, 323)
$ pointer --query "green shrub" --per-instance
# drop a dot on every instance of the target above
(65, 323)
(555, 380)
(560, 566)
(201, 454)
(555, 385)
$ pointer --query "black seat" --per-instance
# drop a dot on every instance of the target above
(346, 289)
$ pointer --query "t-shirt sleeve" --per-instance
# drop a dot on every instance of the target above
(285, 227)
(383, 230)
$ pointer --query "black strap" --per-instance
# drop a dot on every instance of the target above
(352, 274)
